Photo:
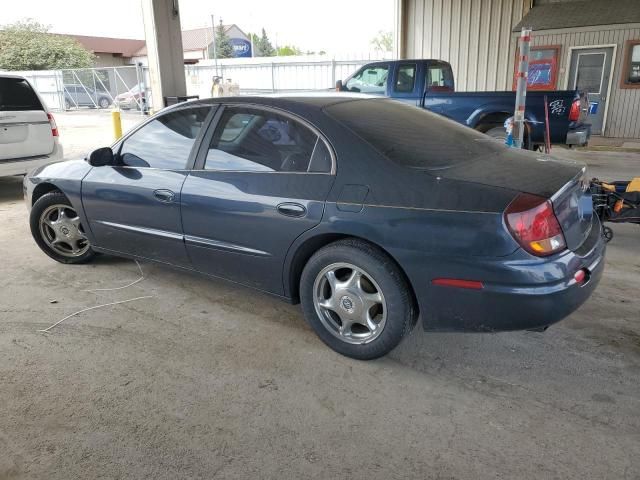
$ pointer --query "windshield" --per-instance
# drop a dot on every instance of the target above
(411, 136)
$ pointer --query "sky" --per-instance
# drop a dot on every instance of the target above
(331, 25)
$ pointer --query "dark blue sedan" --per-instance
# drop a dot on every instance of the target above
(371, 213)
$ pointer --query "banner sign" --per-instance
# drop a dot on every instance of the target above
(241, 47)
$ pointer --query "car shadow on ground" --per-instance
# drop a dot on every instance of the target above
(10, 189)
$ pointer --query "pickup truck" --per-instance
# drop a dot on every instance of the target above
(429, 84)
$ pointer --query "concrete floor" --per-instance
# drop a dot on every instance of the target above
(210, 380)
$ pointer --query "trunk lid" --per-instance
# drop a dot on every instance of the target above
(561, 181)
(573, 207)
(25, 134)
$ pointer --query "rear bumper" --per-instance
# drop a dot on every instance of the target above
(579, 136)
(24, 166)
(543, 292)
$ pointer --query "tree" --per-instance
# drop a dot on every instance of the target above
(27, 45)
(288, 51)
(262, 45)
(224, 49)
(383, 41)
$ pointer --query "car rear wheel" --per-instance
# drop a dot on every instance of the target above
(104, 102)
(356, 299)
(56, 228)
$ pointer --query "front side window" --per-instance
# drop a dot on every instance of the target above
(256, 140)
(631, 68)
(439, 78)
(165, 142)
(369, 80)
(406, 78)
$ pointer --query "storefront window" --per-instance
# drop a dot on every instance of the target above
(631, 68)
(543, 68)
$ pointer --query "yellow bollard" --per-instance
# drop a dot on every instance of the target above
(117, 124)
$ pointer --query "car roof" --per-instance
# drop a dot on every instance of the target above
(295, 101)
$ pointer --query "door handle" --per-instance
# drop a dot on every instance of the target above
(164, 196)
(290, 209)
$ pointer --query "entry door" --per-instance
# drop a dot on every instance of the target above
(589, 72)
(134, 208)
(260, 184)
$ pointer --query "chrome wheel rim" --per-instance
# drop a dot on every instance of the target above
(61, 230)
(350, 303)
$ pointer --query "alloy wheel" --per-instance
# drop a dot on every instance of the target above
(350, 303)
(62, 231)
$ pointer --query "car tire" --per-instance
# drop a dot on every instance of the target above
(356, 299)
(56, 228)
(104, 102)
(67, 105)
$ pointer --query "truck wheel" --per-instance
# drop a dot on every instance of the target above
(499, 133)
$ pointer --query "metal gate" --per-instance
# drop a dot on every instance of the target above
(123, 87)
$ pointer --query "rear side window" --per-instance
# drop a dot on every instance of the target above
(165, 142)
(439, 78)
(413, 137)
(17, 95)
(254, 140)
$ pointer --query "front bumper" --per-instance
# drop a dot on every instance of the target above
(543, 292)
(579, 136)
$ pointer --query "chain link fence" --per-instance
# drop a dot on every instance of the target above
(127, 87)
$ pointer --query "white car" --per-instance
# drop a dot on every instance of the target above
(28, 131)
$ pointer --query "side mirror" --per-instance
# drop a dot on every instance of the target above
(101, 157)
(339, 86)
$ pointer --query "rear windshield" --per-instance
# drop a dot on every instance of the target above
(411, 136)
(17, 94)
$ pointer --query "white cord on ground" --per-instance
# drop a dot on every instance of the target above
(92, 308)
(120, 288)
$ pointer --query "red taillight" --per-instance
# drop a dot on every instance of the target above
(533, 224)
(54, 127)
(574, 113)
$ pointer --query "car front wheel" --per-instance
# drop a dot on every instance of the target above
(356, 299)
(56, 228)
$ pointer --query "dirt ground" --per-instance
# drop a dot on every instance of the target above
(210, 380)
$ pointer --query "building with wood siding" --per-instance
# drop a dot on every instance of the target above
(593, 45)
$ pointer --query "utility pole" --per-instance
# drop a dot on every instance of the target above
(215, 53)
(521, 87)
(206, 41)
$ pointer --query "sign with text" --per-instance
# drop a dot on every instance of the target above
(241, 47)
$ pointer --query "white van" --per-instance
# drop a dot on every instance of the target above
(28, 132)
